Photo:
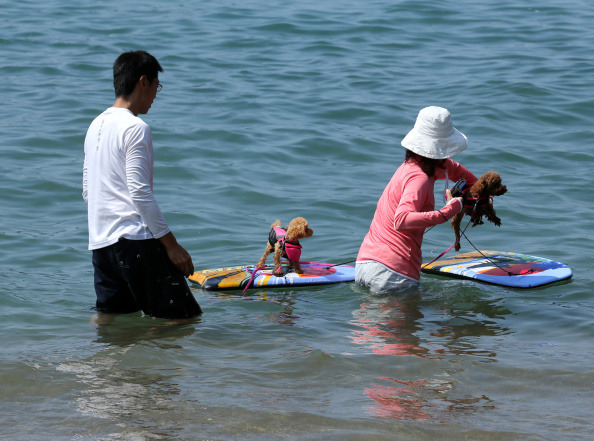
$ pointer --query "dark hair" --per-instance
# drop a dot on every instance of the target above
(426, 164)
(129, 67)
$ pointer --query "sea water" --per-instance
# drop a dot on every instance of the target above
(272, 110)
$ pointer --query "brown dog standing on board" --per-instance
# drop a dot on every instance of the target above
(285, 243)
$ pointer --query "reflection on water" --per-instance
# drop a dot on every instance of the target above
(432, 330)
(129, 329)
(387, 326)
(285, 315)
(284, 299)
(419, 399)
(124, 382)
(412, 326)
(400, 401)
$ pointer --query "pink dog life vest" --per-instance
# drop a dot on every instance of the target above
(292, 250)
(474, 205)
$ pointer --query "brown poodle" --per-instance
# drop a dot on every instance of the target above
(478, 202)
(285, 242)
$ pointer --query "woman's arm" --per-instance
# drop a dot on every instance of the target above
(408, 214)
(456, 171)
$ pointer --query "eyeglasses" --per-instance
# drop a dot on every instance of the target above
(159, 87)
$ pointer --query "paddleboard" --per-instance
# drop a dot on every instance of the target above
(237, 277)
(500, 268)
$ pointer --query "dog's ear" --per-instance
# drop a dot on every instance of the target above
(495, 186)
(479, 186)
(296, 228)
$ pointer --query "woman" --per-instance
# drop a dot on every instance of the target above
(390, 257)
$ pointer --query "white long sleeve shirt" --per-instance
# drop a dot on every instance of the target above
(118, 180)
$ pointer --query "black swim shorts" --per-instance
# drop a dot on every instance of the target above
(135, 275)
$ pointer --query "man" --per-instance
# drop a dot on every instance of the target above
(138, 263)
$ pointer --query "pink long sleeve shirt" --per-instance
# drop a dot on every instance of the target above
(405, 209)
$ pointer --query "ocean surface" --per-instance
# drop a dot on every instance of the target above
(272, 110)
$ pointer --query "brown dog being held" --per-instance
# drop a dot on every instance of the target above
(478, 203)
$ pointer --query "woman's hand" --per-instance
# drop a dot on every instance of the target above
(449, 199)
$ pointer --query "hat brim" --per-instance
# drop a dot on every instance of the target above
(435, 148)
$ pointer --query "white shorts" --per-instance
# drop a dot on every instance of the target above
(381, 279)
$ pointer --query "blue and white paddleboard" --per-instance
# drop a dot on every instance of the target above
(237, 277)
(500, 268)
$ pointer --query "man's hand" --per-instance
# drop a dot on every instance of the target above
(177, 254)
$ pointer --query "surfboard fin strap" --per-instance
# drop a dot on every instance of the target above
(252, 278)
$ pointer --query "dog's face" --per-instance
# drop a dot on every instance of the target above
(489, 184)
(298, 229)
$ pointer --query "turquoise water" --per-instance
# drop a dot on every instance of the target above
(272, 110)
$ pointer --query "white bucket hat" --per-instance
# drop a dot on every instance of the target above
(434, 136)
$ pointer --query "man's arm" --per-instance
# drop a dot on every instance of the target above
(139, 179)
(85, 193)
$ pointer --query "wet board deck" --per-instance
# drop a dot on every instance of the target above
(495, 267)
(237, 277)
